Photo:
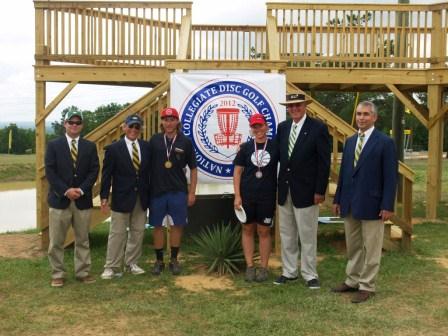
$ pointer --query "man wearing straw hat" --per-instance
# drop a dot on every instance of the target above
(304, 146)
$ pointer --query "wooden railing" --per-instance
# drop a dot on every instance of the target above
(214, 42)
(361, 36)
(118, 32)
(310, 35)
(147, 107)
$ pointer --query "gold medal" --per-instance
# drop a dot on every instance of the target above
(168, 164)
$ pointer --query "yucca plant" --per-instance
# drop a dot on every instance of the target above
(221, 248)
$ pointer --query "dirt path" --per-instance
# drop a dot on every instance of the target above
(20, 245)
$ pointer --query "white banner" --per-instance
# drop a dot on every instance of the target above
(215, 110)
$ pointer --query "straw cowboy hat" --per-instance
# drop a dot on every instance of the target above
(295, 98)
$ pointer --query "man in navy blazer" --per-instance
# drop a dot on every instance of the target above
(71, 167)
(365, 199)
(304, 146)
(126, 169)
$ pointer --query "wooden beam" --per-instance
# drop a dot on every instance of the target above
(435, 150)
(42, 213)
(420, 112)
(359, 76)
(226, 65)
(55, 102)
(376, 87)
(98, 74)
(136, 106)
(347, 86)
(112, 4)
(314, 86)
(273, 42)
(184, 37)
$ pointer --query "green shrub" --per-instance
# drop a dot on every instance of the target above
(221, 248)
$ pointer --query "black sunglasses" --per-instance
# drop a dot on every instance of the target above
(136, 126)
(72, 122)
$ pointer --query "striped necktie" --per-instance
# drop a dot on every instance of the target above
(358, 148)
(74, 152)
(292, 139)
(135, 157)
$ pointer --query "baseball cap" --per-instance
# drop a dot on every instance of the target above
(256, 119)
(133, 119)
(71, 114)
(169, 112)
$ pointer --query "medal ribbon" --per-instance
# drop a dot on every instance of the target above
(168, 152)
(259, 161)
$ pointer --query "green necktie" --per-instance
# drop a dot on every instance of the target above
(358, 148)
(292, 139)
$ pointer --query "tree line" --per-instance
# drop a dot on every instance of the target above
(24, 140)
(341, 103)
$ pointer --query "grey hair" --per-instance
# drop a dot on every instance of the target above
(367, 103)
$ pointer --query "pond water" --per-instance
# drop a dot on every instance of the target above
(17, 210)
(18, 207)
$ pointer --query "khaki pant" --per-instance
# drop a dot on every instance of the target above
(298, 224)
(60, 222)
(364, 240)
(122, 243)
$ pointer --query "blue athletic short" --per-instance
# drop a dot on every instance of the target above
(171, 203)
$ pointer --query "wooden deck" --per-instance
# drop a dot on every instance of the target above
(400, 49)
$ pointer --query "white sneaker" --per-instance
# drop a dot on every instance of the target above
(135, 269)
(109, 274)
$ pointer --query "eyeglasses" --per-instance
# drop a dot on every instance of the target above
(136, 126)
(72, 122)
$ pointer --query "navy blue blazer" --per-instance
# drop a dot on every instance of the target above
(119, 172)
(306, 172)
(61, 174)
(369, 187)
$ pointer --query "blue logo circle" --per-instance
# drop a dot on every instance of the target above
(216, 118)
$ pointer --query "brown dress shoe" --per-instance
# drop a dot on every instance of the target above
(59, 282)
(343, 288)
(362, 296)
(88, 279)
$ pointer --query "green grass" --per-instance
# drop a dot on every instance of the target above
(411, 298)
(17, 168)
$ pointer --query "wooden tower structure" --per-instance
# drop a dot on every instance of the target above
(349, 47)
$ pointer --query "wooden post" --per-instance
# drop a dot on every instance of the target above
(435, 137)
(41, 183)
(273, 43)
(435, 146)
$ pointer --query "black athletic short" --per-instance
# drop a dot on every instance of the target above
(259, 211)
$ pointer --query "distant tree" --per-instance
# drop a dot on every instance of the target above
(23, 140)
(343, 104)
(91, 119)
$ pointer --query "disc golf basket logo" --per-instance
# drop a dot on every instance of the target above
(228, 124)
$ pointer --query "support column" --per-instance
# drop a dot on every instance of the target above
(435, 151)
(41, 96)
(41, 182)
